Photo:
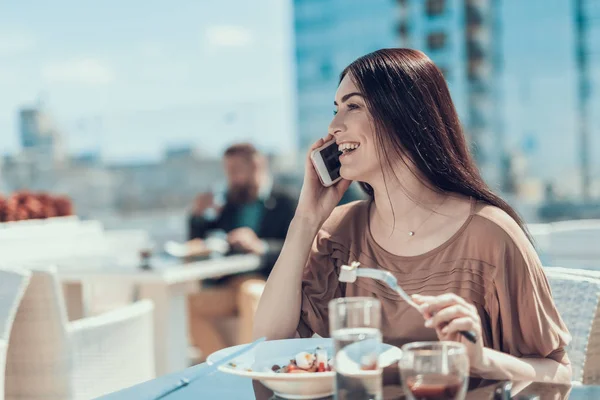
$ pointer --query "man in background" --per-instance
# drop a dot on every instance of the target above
(255, 218)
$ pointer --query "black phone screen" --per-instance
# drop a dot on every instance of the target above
(331, 158)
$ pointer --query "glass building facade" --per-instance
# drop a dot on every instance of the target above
(460, 36)
(330, 34)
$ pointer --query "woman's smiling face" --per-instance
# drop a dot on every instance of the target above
(353, 129)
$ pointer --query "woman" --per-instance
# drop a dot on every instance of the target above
(431, 221)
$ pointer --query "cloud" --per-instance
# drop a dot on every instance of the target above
(152, 50)
(85, 71)
(7, 76)
(165, 71)
(15, 43)
(228, 36)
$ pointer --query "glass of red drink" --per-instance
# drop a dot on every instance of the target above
(434, 370)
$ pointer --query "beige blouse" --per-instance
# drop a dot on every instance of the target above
(489, 262)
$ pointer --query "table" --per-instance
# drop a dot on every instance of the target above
(225, 386)
(167, 285)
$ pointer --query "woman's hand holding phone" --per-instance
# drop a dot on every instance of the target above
(317, 201)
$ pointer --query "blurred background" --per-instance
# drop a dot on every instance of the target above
(126, 107)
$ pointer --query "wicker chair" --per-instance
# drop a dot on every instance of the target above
(577, 298)
(13, 283)
(51, 358)
(68, 239)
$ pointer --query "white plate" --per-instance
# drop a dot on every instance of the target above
(256, 364)
(181, 250)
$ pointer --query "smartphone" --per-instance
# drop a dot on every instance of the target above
(326, 160)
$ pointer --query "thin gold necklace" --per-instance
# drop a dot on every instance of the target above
(413, 232)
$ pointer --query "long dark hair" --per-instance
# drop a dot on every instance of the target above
(414, 117)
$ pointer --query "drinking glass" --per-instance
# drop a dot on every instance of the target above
(354, 324)
(434, 370)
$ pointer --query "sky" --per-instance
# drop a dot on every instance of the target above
(131, 77)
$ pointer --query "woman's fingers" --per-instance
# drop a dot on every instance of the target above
(441, 311)
(321, 142)
(317, 144)
(448, 314)
(433, 304)
(460, 324)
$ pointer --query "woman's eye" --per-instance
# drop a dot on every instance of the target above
(350, 107)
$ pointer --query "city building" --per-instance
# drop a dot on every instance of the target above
(330, 35)
(171, 183)
(460, 36)
(39, 135)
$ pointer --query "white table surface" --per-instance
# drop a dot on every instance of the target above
(163, 271)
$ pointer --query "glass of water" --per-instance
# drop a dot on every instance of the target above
(354, 324)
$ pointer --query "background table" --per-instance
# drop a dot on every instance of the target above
(167, 284)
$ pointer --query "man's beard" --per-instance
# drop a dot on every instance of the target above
(242, 194)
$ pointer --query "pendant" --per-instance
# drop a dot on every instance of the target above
(411, 233)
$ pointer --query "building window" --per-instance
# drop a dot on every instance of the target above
(474, 16)
(403, 30)
(436, 40)
(475, 51)
(476, 70)
(435, 7)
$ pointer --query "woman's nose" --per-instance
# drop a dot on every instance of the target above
(336, 126)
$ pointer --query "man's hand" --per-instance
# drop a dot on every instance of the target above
(203, 202)
(244, 239)
(197, 248)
